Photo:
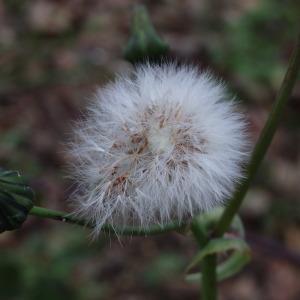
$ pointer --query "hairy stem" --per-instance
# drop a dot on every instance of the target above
(127, 230)
(264, 141)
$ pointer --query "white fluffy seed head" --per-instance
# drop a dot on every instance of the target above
(164, 144)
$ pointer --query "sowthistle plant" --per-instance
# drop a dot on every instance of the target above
(158, 151)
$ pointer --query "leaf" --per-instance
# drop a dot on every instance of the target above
(208, 221)
(235, 262)
(225, 270)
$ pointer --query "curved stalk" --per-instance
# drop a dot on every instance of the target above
(264, 141)
(209, 263)
(127, 230)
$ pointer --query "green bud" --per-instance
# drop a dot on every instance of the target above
(16, 200)
(144, 43)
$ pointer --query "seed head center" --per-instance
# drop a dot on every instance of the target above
(160, 139)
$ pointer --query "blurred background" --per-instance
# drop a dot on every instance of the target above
(53, 55)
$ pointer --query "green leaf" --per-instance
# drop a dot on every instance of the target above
(236, 261)
(144, 43)
(208, 221)
(16, 200)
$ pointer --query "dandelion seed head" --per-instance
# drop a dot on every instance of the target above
(164, 144)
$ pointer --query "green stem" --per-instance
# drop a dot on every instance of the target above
(208, 265)
(127, 230)
(264, 141)
(209, 277)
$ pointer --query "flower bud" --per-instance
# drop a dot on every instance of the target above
(144, 42)
(16, 200)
